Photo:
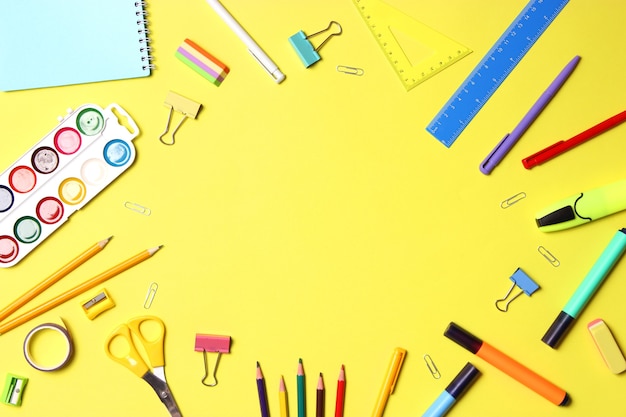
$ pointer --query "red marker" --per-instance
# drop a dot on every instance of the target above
(558, 148)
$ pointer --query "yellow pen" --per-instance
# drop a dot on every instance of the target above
(390, 381)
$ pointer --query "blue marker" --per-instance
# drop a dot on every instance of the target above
(453, 392)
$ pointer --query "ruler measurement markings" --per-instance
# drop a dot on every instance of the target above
(381, 18)
(512, 45)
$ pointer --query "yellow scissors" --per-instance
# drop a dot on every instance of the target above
(154, 350)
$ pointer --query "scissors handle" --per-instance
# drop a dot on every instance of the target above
(154, 346)
(132, 360)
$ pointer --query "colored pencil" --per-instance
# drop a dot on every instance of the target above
(55, 277)
(282, 398)
(260, 384)
(321, 394)
(79, 289)
(341, 392)
(301, 391)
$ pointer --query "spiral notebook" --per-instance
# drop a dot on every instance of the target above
(46, 43)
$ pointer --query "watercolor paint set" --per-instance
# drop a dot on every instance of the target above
(80, 157)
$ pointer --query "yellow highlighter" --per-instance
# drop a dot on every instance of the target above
(583, 207)
(606, 344)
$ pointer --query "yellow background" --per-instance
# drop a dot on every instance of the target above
(317, 218)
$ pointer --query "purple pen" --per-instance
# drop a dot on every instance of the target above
(504, 146)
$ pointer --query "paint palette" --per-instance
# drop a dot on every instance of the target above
(90, 148)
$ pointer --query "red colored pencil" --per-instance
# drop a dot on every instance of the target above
(341, 392)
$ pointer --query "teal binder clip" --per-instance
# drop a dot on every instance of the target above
(13, 389)
(304, 48)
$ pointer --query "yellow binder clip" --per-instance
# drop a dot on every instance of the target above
(187, 107)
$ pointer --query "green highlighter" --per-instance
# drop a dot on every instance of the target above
(587, 288)
(583, 207)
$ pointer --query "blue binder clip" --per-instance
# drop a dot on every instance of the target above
(309, 55)
(524, 282)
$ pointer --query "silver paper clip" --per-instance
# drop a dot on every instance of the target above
(350, 70)
(512, 200)
(152, 289)
(137, 208)
(546, 254)
(432, 367)
(524, 282)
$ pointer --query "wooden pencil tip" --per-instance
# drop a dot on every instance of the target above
(104, 242)
(320, 382)
(154, 250)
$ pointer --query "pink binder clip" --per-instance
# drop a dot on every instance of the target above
(211, 343)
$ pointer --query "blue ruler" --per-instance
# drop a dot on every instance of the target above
(492, 70)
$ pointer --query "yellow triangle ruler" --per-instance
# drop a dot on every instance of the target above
(397, 33)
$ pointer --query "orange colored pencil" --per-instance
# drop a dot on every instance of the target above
(79, 289)
(45, 284)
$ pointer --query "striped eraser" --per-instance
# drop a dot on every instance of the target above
(202, 62)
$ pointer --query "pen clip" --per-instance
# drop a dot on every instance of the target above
(277, 75)
(488, 165)
(398, 359)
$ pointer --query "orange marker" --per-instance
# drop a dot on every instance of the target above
(507, 365)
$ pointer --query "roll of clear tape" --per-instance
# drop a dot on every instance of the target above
(68, 353)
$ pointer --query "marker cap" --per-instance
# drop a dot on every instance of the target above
(463, 380)
(464, 338)
(558, 330)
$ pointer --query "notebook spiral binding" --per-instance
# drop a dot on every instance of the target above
(144, 38)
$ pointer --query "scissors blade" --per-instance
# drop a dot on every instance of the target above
(163, 391)
(159, 372)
